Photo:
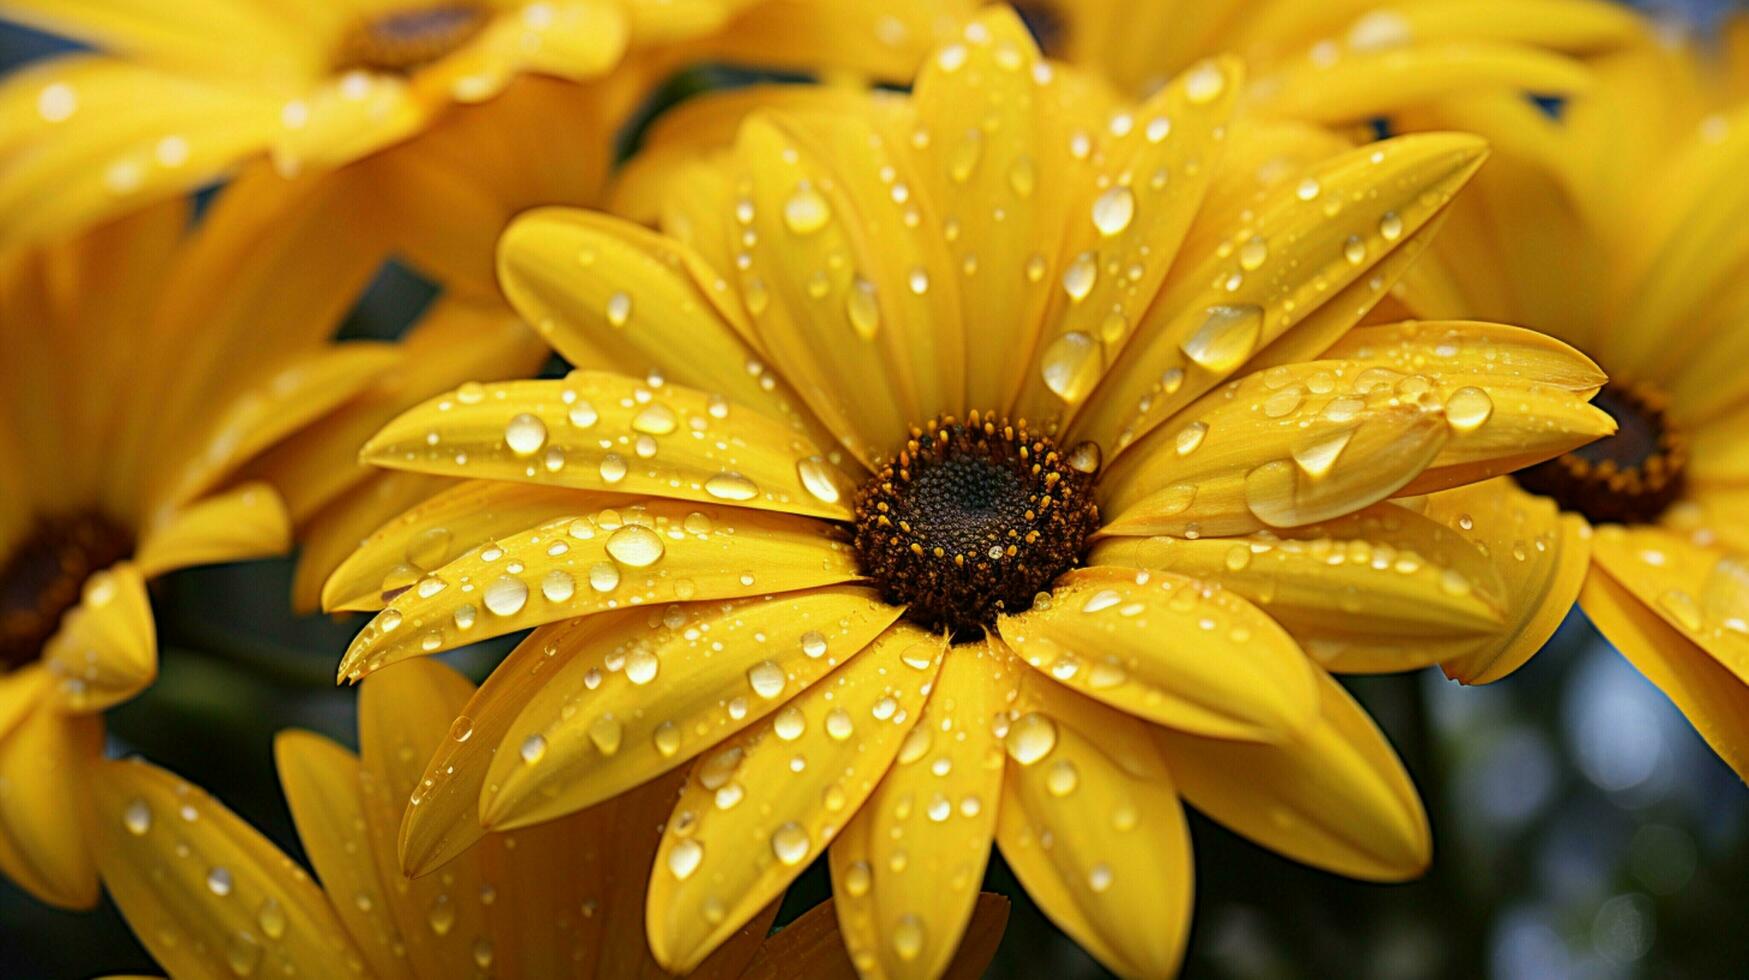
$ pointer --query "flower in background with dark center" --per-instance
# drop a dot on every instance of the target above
(1617, 227)
(156, 376)
(177, 95)
(209, 895)
(1347, 62)
(994, 463)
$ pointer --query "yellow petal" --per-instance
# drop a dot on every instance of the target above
(1713, 698)
(291, 398)
(643, 553)
(346, 524)
(403, 716)
(1200, 331)
(106, 649)
(990, 173)
(453, 342)
(652, 691)
(1541, 555)
(1512, 397)
(45, 763)
(21, 691)
(722, 856)
(1090, 824)
(906, 869)
(344, 118)
(1335, 796)
(596, 431)
(1378, 590)
(803, 295)
(811, 945)
(1289, 446)
(883, 40)
(206, 34)
(320, 781)
(206, 893)
(245, 522)
(442, 528)
(445, 820)
(643, 298)
(1171, 649)
(1577, 26)
(1125, 235)
(101, 137)
(1701, 594)
(1365, 84)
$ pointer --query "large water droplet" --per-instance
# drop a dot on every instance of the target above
(806, 211)
(1031, 738)
(1226, 338)
(1113, 210)
(731, 486)
(1070, 365)
(506, 595)
(863, 310)
(766, 679)
(525, 434)
(635, 545)
(1468, 409)
(790, 843)
(685, 858)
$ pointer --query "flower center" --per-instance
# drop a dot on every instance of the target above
(975, 519)
(1628, 478)
(1048, 25)
(402, 40)
(41, 579)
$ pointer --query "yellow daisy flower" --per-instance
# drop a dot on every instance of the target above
(1615, 227)
(147, 368)
(791, 526)
(182, 93)
(208, 895)
(1339, 62)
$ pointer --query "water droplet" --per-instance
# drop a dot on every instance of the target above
(1391, 226)
(613, 468)
(271, 918)
(137, 818)
(1204, 83)
(1682, 608)
(858, 878)
(685, 858)
(1070, 365)
(1226, 338)
(1031, 738)
(242, 954)
(583, 415)
(1253, 253)
(1062, 778)
(506, 595)
(816, 476)
(790, 843)
(619, 309)
(863, 310)
(1113, 210)
(605, 733)
(838, 724)
(766, 679)
(657, 420)
(218, 881)
(814, 644)
(641, 667)
(1190, 437)
(525, 434)
(604, 576)
(1308, 190)
(1079, 277)
(731, 486)
(1468, 409)
(1354, 250)
(1099, 878)
(557, 585)
(908, 937)
(667, 739)
(533, 748)
(806, 211)
(635, 545)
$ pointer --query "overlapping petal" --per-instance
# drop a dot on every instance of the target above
(44, 797)
(106, 649)
(761, 806)
(1175, 650)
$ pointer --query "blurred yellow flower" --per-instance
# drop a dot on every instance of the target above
(784, 526)
(182, 93)
(148, 369)
(208, 895)
(1339, 61)
(1617, 226)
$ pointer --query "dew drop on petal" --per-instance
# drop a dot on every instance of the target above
(506, 595)
(635, 545)
(525, 435)
(789, 842)
(1113, 210)
(685, 858)
(806, 211)
(1227, 337)
(1030, 738)
(137, 818)
(731, 486)
(1468, 409)
(766, 679)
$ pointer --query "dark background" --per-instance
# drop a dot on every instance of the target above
(1581, 828)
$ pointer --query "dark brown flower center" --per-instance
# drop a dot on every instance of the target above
(1628, 478)
(974, 519)
(402, 40)
(42, 577)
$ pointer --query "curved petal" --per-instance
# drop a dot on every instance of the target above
(443, 527)
(1091, 825)
(106, 649)
(320, 782)
(648, 693)
(244, 522)
(338, 529)
(1701, 594)
(1377, 590)
(598, 431)
(1363, 84)
(1713, 698)
(1541, 554)
(908, 865)
(811, 946)
(45, 763)
(1171, 649)
(722, 856)
(206, 893)
(1199, 331)
(1335, 796)
(654, 551)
